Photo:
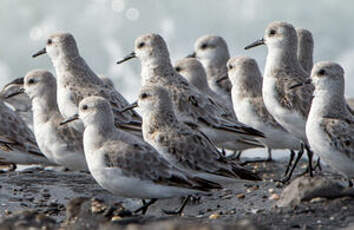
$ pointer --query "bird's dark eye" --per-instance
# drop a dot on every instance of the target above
(204, 46)
(30, 81)
(321, 72)
(141, 45)
(84, 107)
(230, 66)
(144, 95)
(272, 32)
(49, 42)
(178, 69)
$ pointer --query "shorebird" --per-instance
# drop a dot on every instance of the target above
(184, 147)
(191, 106)
(125, 164)
(192, 70)
(17, 142)
(60, 144)
(330, 125)
(76, 80)
(289, 107)
(20, 103)
(213, 53)
(250, 109)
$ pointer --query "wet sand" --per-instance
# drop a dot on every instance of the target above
(47, 193)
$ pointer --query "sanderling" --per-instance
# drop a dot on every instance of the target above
(193, 71)
(20, 103)
(60, 144)
(182, 146)
(76, 80)
(289, 107)
(190, 105)
(213, 53)
(17, 142)
(125, 164)
(249, 107)
(330, 126)
(305, 49)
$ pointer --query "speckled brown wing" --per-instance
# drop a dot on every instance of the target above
(72, 138)
(86, 83)
(194, 151)
(297, 99)
(192, 106)
(117, 102)
(15, 134)
(143, 162)
(340, 134)
(263, 113)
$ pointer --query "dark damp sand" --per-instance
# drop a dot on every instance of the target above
(49, 191)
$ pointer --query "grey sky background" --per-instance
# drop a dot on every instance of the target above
(106, 29)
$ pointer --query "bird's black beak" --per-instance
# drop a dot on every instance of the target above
(129, 107)
(193, 55)
(308, 81)
(17, 81)
(128, 57)
(42, 51)
(70, 119)
(256, 43)
(222, 79)
(18, 92)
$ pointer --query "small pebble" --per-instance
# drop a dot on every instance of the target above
(8, 212)
(240, 196)
(255, 211)
(214, 216)
(116, 218)
(317, 200)
(271, 190)
(227, 197)
(274, 196)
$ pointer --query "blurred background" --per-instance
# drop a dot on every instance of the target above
(106, 29)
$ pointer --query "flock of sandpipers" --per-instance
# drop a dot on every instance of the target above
(189, 114)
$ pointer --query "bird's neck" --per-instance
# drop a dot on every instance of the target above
(282, 58)
(157, 119)
(326, 103)
(153, 71)
(96, 134)
(44, 107)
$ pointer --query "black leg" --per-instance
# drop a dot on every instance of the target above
(299, 155)
(143, 209)
(269, 154)
(350, 182)
(292, 155)
(236, 155)
(310, 156)
(318, 165)
(269, 159)
(223, 152)
(179, 210)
